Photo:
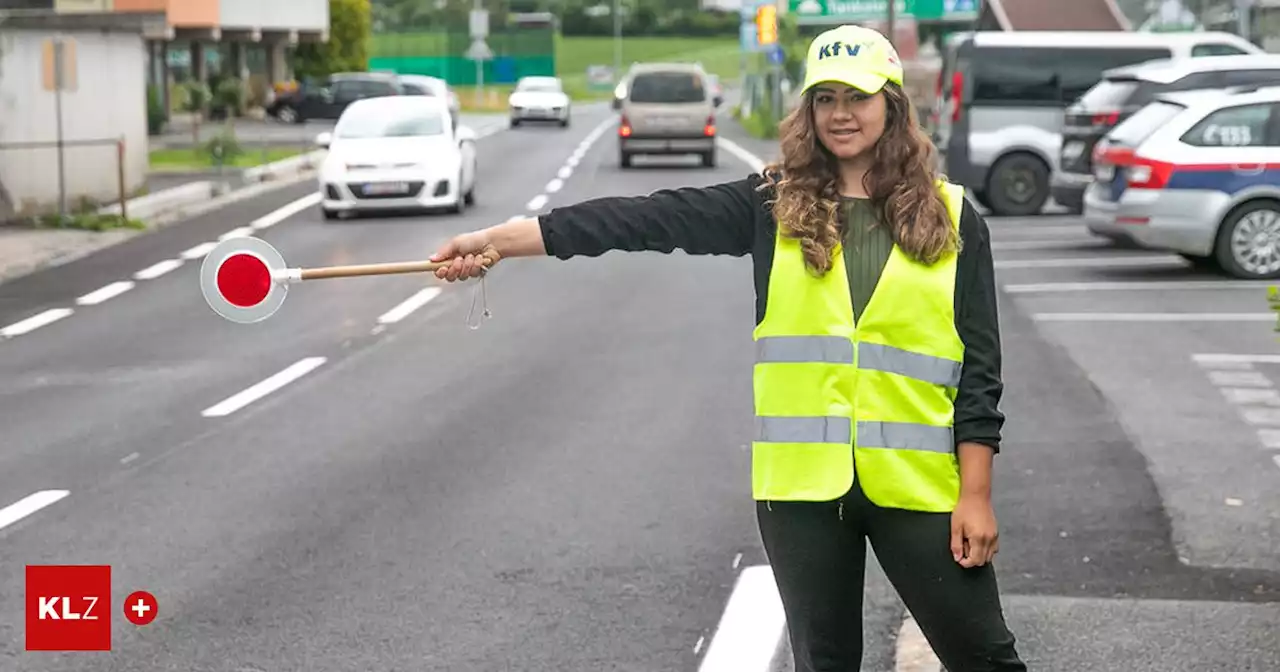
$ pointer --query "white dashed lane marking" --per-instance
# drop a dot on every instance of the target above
(110, 291)
(248, 396)
(35, 322)
(29, 505)
(156, 270)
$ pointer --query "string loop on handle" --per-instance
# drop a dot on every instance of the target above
(483, 294)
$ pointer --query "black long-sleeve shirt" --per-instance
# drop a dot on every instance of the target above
(733, 218)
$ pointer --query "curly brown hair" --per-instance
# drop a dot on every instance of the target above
(902, 184)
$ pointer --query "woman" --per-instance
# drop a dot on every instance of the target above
(878, 355)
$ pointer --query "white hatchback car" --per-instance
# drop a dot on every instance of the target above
(539, 99)
(1196, 173)
(397, 152)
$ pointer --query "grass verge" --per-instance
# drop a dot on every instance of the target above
(186, 159)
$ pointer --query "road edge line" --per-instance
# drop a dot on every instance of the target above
(752, 627)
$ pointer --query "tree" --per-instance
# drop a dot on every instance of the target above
(350, 26)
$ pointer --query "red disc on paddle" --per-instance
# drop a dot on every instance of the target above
(244, 280)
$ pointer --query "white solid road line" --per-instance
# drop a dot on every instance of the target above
(110, 291)
(35, 322)
(1217, 357)
(1003, 229)
(198, 251)
(29, 505)
(1141, 285)
(751, 628)
(913, 653)
(1067, 243)
(240, 400)
(1154, 317)
(280, 214)
(1093, 262)
(409, 305)
(156, 270)
(752, 161)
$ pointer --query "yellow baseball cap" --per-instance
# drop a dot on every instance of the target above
(853, 55)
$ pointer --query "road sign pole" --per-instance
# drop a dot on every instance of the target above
(617, 39)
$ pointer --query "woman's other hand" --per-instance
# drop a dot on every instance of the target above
(471, 253)
(975, 538)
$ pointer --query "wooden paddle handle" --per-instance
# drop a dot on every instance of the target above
(490, 258)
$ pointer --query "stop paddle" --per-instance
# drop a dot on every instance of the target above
(246, 280)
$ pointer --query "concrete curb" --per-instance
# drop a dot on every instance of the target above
(178, 199)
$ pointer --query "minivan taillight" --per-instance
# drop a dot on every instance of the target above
(624, 127)
(710, 128)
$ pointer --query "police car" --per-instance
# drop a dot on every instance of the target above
(1196, 173)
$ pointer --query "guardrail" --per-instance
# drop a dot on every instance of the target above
(61, 147)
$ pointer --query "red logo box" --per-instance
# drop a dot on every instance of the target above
(68, 607)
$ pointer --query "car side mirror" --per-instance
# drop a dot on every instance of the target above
(617, 103)
(323, 140)
(466, 134)
(717, 101)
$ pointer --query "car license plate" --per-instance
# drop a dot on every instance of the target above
(384, 188)
(1072, 150)
(1104, 172)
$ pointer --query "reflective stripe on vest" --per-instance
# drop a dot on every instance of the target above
(877, 397)
(839, 350)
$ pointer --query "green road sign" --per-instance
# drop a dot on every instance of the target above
(844, 11)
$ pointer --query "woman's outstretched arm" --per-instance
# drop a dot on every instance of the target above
(718, 219)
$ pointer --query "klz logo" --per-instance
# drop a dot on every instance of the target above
(68, 607)
(833, 49)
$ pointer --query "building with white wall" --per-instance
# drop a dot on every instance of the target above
(102, 100)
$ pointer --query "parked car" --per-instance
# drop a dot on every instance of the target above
(1002, 96)
(1126, 90)
(666, 108)
(397, 152)
(329, 97)
(1196, 173)
(539, 99)
(425, 85)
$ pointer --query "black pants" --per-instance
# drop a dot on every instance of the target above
(818, 554)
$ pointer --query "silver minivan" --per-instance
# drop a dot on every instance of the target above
(1002, 97)
(667, 108)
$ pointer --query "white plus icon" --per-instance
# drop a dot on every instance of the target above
(140, 608)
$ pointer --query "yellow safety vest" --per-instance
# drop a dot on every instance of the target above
(880, 394)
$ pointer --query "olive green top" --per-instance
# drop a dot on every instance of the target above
(867, 245)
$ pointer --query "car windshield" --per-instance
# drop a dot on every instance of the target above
(1143, 123)
(541, 86)
(667, 87)
(384, 122)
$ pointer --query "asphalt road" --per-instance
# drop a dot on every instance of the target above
(567, 487)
